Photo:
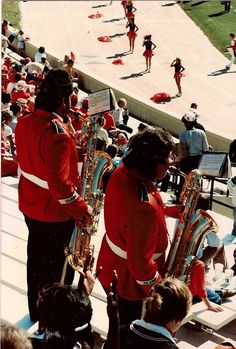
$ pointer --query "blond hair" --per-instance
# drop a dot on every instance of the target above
(13, 337)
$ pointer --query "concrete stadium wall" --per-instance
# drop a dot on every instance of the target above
(140, 108)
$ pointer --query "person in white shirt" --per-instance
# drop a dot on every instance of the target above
(40, 54)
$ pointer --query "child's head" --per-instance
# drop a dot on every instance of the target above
(66, 311)
(170, 300)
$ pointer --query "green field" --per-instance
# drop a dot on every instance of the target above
(11, 12)
(216, 27)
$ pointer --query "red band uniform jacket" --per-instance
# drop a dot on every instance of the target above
(135, 223)
(46, 151)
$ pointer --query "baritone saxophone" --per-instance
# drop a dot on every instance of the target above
(191, 229)
(95, 164)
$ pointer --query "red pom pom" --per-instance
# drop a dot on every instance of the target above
(118, 61)
(161, 97)
(104, 39)
(94, 16)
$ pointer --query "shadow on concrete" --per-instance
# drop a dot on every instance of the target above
(89, 56)
(113, 20)
(169, 4)
(199, 3)
(95, 62)
(220, 72)
(117, 35)
(98, 6)
(117, 55)
(221, 13)
(134, 75)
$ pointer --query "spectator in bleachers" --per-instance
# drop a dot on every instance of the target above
(24, 106)
(5, 43)
(66, 312)
(9, 165)
(13, 81)
(163, 311)
(112, 151)
(109, 121)
(197, 285)
(46, 65)
(4, 27)
(21, 43)
(121, 116)
(68, 67)
(193, 110)
(13, 337)
(102, 133)
(16, 113)
(196, 142)
(8, 134)
(215, 248)
(32, 67)
(6, 101)
(5, 78)
(8, 62)
(65, 315)
(84, 108)
(20, 91)
(40, 54)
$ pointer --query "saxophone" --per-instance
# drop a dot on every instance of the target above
(190, 231)
(96, 163)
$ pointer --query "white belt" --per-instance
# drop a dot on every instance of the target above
(123, 254)
(40, 182)
(43, 184)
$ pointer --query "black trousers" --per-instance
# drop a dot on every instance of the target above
(128, 310)
(45, 252)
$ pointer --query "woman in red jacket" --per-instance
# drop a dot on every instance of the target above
(136, 235)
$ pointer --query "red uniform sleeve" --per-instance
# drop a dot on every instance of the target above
(60, 176)
(173, 211)
(141, 245)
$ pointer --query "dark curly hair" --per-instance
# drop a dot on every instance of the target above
(147, 150)
(62, 309)
(56, 86)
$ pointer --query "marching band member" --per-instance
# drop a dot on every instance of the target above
(136, 235)
(49, 184)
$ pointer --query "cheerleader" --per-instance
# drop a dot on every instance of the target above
(131, 33)
(124, 4)
(178, 74)
(130, 9)
(148, 53)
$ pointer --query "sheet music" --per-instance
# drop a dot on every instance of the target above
(211, 164)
